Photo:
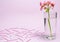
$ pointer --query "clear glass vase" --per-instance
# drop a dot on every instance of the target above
(50, 25)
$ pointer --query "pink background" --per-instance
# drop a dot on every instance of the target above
(25, 14)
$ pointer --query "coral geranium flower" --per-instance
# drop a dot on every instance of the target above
(45, 5)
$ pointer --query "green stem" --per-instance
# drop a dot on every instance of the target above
(49, 23)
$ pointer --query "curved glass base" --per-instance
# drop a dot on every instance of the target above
(47, 37)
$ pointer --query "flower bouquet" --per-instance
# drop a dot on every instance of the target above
(49, 19)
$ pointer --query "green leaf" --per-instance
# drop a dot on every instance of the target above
(47, 10)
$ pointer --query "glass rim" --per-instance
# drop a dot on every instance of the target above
(52, 15)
